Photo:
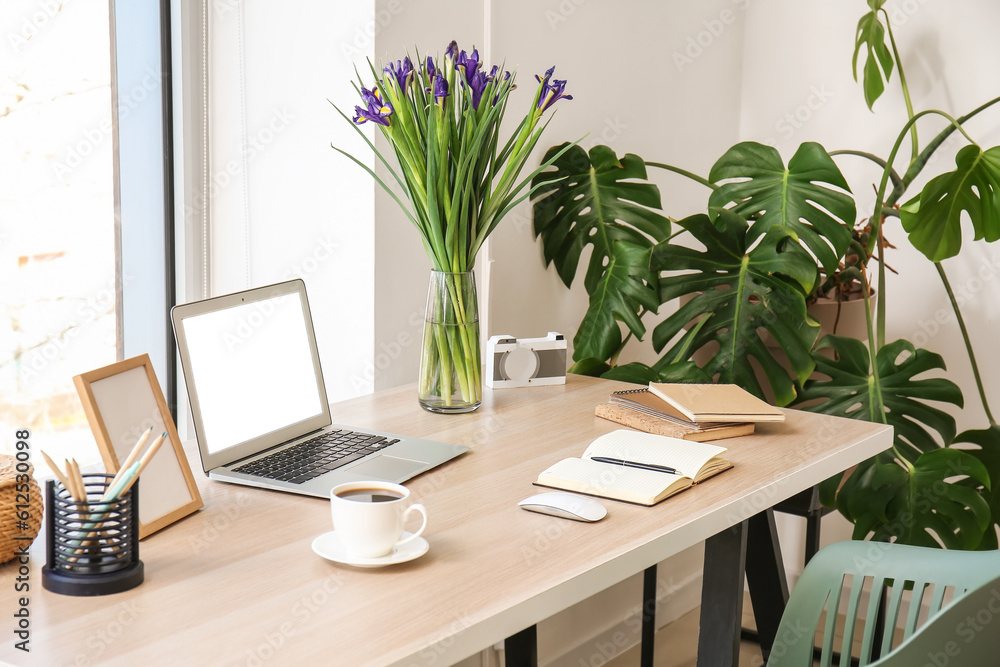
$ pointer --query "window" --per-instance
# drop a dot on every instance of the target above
(84, 243)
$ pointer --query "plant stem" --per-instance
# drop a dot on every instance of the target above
(683, 172)
(897, 183)
(914, 145)
(914, 169)
(967, 340)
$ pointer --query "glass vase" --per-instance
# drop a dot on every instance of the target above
(450, 374)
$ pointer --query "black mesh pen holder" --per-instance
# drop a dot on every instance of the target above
(93, 546)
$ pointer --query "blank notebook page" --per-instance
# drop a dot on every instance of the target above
(684, 455)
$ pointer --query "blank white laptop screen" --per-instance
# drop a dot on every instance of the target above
(252, 369)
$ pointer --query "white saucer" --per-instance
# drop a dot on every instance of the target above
(328, 546)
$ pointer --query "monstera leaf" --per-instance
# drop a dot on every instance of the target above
(736, 292)
(795, 198)
(639, 373)
(914, 503)
(986, 444)
(625, 285)
(933, 219)
(594, 199)
(871, 32)
(898, 398)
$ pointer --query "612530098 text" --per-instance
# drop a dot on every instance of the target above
(22, 515)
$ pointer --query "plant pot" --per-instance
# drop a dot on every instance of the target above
(450, 379)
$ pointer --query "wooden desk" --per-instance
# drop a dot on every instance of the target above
(237, 582)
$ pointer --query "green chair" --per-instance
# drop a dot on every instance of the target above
(965, 632)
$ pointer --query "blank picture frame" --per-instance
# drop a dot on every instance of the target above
(121, 402)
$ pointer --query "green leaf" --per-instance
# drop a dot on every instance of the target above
(796, 198)
(589, 366)
(902, 399)
(919, 504)
(625, 286)
(871, 32)
(933, 218)
(736, 292)
(594, 199)
(639, 373)
(987, 451)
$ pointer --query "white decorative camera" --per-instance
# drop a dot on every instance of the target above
(525, 362)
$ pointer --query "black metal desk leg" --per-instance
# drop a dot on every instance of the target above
(765, 578)
(722, 598)
(648, 617)
(521, 650)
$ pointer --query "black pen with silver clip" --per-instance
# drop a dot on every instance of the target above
(633, 464)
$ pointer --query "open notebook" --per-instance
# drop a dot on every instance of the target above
(641, 477)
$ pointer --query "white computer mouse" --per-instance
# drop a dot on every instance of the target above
(565, 505)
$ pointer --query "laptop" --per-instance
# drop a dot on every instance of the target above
(258, 400)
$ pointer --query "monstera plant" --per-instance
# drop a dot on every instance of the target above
(773, 235)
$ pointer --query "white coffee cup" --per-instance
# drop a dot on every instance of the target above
(369, 517)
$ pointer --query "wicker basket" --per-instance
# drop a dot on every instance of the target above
(12, 531)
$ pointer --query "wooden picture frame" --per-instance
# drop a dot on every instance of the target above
(121, 402)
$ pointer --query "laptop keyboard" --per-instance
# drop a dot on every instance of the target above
(317, 456)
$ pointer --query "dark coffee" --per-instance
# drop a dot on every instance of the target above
(370, 495)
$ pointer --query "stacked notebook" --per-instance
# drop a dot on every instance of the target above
(695, 412)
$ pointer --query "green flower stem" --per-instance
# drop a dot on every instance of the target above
(968, 342)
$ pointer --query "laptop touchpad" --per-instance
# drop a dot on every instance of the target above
(388, 467)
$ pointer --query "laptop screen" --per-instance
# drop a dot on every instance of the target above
(252, 369)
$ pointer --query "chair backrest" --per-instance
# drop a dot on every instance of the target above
(883, 572)
(964, 634)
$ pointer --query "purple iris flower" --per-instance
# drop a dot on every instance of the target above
(377, 111)
(403, 71)
(452, 50)
(440, 88)
(551, 92)
(468, 64)
(506, 77)
(431, 68)
(477, 85)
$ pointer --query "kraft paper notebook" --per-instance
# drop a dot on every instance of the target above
(716, 403)
(642, 478)
(643, 410)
